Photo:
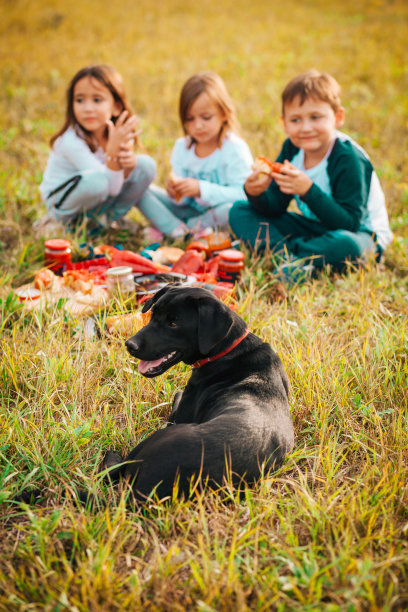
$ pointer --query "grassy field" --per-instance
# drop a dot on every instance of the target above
(329, 530)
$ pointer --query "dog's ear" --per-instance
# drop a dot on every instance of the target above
(149, 303)
(214, 322)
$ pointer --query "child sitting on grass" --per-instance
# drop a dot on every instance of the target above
(342, 214)
(209, 165)
(93, 171)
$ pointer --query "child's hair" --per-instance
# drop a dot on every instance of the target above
(109, 78)
(212, 84)
(313, 84)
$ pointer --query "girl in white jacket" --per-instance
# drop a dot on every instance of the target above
(93, 171)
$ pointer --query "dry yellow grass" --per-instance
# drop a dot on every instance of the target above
(329, 530)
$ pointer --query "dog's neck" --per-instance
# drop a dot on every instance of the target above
(201, 362)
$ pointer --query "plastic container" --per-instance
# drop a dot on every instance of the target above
(57, 254)
(29, 294)
(230, 265)
(120, 280)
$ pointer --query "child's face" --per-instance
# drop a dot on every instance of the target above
(311, 126)
(93, 105)
(204, 120)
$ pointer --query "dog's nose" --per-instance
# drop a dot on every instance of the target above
(132, 346)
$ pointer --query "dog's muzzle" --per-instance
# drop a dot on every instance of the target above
(132, 346)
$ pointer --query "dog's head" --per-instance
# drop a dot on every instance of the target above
(187, 324)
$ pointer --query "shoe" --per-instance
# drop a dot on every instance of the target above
(180, 231)
(95, 227)
(152, 234)
(47, 227)
(124, 224)
(294, 273)
(203, 233)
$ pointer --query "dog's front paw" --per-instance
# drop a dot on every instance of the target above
(111, 459)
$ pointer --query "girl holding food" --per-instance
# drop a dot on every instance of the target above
(209, 164)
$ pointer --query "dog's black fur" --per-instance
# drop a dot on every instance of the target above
(232, 419)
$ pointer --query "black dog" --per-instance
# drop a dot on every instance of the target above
(233, 417)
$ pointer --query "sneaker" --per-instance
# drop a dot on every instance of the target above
(125, 224)
(294, 272)
(152, 234)
(180, 231)
(203, 233)
(47, 227)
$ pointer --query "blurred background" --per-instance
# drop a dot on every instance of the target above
(255, 46)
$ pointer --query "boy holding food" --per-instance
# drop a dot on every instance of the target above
(341, 206)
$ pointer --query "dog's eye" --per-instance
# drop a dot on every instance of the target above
(172, 324)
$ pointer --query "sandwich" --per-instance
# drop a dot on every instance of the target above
(174, 179)
(266, 166)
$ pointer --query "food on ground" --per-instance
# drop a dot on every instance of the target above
(127, 325)
(201, 246)
(44, 279)
(191, 262)
(138, 263)
(79, 280)
(166, 255)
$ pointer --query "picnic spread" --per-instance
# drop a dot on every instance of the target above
(86, 286)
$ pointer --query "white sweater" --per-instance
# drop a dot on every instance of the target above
(221, 175)
(70, 156)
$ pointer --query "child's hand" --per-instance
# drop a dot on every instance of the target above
(292, 181)
(257, 183)
(188, 188)
(171, 187)
(127, 158)
(179, 188)
(120, 133)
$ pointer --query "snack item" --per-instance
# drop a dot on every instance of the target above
(174, 179)
(191, 262)
(199, 245)
(265, 165)
(127, 325)
(167, 255)
(27, 294)
(139, 264)
(218, 241)
(78, 280)
(80, 304)
(44, 279)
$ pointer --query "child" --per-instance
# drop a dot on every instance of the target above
(92, 170)
(342, 214)
(210, 164)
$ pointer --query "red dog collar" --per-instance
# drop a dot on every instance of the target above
(201, 362)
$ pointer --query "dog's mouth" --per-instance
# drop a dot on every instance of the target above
(150, 369)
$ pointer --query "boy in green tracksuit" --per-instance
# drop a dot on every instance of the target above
(342, 214)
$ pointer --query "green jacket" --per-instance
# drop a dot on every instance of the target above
(350, 173)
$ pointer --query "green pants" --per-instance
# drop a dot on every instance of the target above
(300, 236)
